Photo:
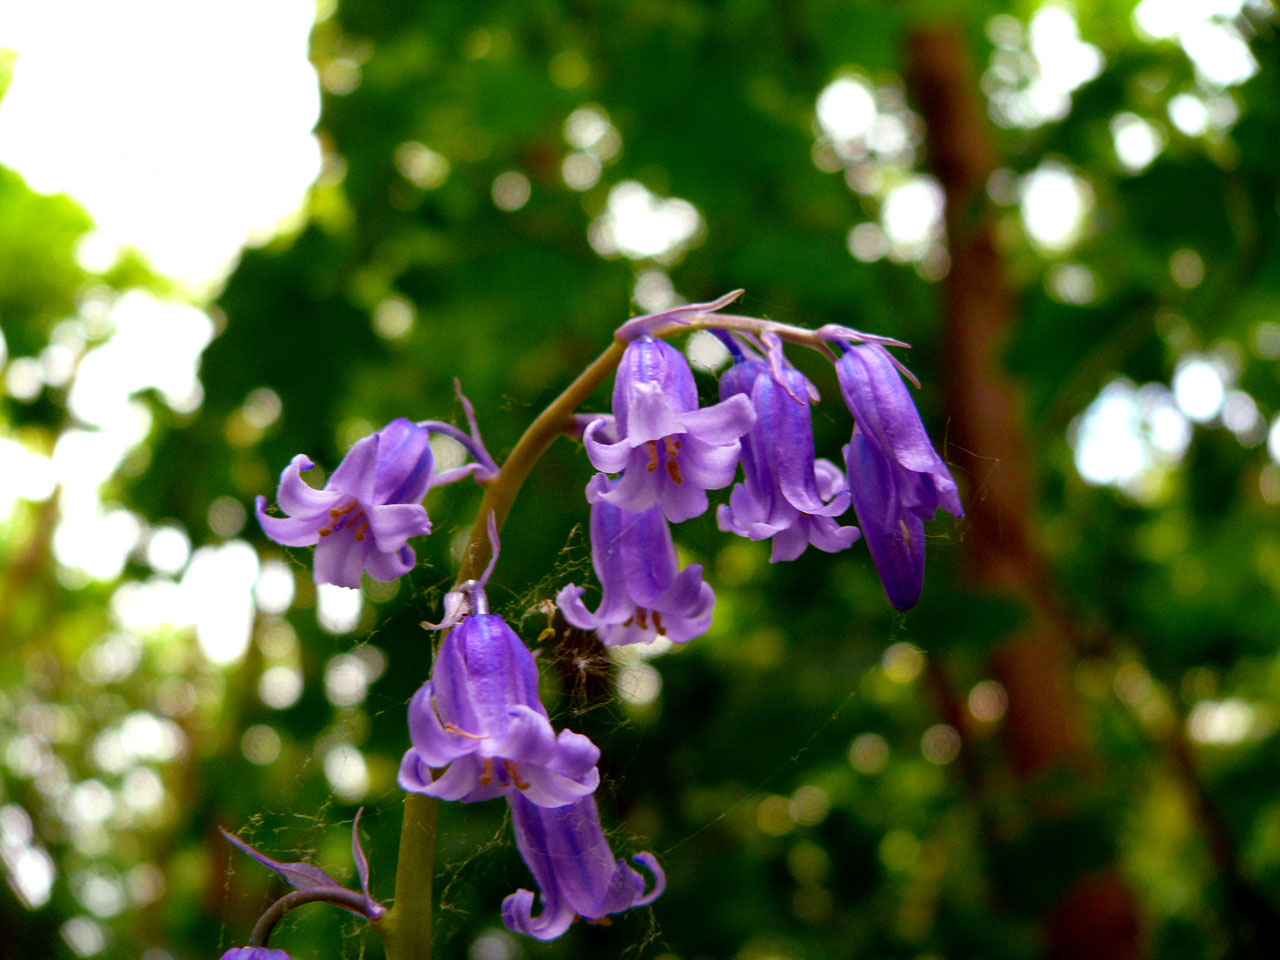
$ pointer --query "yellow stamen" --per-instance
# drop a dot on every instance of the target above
(486, 775)
(653, 456)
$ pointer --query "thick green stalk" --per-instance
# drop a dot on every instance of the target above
(406, 928)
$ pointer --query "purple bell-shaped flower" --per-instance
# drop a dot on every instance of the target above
(576, 872)
(896, 477)
(367, 511)
(786, 494)
(480, 716)
(669, 452)
(646, 594)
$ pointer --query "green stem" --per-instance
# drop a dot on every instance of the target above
(406, 927)
(501, 492)
(348, 899)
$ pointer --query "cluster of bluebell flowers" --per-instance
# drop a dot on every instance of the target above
(477, 726)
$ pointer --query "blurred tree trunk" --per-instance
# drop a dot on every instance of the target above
(1096, 915)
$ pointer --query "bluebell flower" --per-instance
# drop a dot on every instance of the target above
(646, 594)
(895, 475)
(366, 512)
(254, 953)
(786, 495)
(577, 875)
(669, 452)
(480, 716)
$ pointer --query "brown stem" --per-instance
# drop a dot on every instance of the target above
(1097, 916)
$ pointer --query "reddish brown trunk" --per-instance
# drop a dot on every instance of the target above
(1044, 731)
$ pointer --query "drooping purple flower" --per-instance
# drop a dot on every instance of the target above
(646, 594)
(786, 494)
(480, 716)
(368, 509)
(254, 953)
(669, 452)
(897, 478)
(576, 872)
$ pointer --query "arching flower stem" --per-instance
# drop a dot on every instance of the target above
(357, 903)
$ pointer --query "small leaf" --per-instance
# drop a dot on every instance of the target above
(304, 876)
(357, 854)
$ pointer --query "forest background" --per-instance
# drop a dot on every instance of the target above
(1069, 749)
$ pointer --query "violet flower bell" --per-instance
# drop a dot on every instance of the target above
(366, 512)
(897, 478)
(577, 875)
(254, 953)
(669, 452)
(786, 494)
(480, 716)
(646, 594)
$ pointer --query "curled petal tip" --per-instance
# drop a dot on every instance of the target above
(650, 862)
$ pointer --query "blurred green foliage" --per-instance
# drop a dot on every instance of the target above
(779, 774)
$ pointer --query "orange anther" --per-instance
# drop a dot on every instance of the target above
(515, 775)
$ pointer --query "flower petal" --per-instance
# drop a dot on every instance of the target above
(649, 861)
(415, 775)
(681, 501)
(609, 457)
(637, 489)
(340, 559)
(435, 746)
(465, 781)
(290, 531)
(569, 600)
(706, 465)
(880, 400)
(386, 567)
(555, 919)
(895, 537)
(723, 422)
(299, 499)
(650, 361)
(550, 788)
(393, 523)
(405, 464)
(528, 738)
(652, 415)
(357, 474)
